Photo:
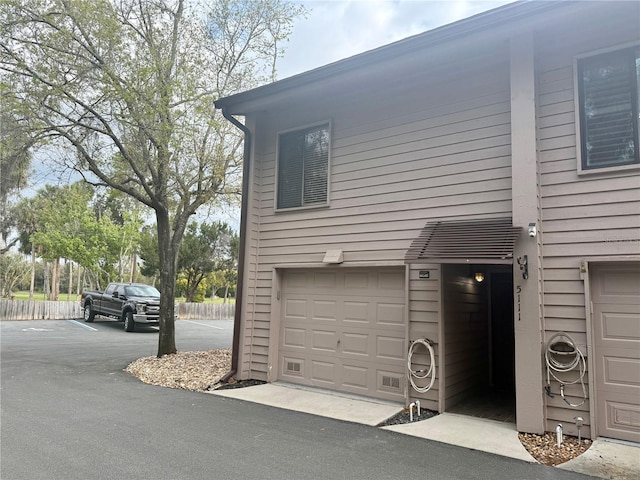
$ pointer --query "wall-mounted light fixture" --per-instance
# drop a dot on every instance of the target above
(333, 256)
(479, 276)
(523, 261)
(533, 231)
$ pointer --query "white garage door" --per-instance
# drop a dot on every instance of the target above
(344, 329)
(616, 319)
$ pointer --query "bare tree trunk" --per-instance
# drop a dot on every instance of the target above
(168, 257)
(47, 292)
(226, 294)
(78, 291)
(32, 285)
(70, 289)
(134, 267)
(55, 279)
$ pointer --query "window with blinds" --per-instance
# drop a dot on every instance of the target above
(303, 167)
(609, 89)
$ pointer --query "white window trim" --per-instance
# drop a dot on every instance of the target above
(576, 95)
(316, 206)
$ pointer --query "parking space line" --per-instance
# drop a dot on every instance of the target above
(203, 324)
(83, 325)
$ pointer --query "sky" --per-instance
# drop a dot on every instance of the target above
(338, 29)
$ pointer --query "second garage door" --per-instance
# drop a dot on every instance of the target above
(344, 329)
(616, 319)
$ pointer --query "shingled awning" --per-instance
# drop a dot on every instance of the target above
(477, 241)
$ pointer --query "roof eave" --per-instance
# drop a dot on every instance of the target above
(429, 39)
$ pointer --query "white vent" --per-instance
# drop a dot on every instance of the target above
(293, 367)
(391, 382)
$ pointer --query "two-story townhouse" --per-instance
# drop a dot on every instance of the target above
(454, 217)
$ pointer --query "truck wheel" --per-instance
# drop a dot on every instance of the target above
(129, 324)
(88, 313)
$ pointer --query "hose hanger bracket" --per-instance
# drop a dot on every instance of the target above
(423, 373)
(562, 355)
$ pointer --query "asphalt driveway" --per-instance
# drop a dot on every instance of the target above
(69, 411)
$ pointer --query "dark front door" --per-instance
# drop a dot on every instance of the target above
(502, 333)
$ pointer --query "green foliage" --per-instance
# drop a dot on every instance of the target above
(15, 159)
(60, 222)
(198, 296)
(12, 270)
(128, 87)
(148, 251)
(65, 226)
(205, 248)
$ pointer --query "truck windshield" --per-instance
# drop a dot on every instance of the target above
(141, 291)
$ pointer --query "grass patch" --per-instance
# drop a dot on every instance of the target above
(36, 296)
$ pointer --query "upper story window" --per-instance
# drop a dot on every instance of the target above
(303, 167)
(609, 89)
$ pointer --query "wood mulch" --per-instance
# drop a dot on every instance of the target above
(197, 371)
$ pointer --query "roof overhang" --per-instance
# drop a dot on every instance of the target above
(489, 241)
(491, 21)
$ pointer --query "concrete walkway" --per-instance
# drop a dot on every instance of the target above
(605, 459)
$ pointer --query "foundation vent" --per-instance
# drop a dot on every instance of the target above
(391, 382)
(293, 367)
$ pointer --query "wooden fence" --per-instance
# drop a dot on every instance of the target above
(45, 310)
(206, 311)
(38, 310)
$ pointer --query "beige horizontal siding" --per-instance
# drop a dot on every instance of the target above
(401, 156)
(424, 318)
(582, 216)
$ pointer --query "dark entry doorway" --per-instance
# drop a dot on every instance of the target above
(479, 340)
(502, 332)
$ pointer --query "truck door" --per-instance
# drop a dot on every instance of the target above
(112, 301)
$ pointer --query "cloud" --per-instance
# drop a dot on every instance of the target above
(338, 29)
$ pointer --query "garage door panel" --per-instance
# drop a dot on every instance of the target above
(325, 280)
(390, 313)
(354, 327)
(617, 286)
(616, 328)
(323, 371)
(355, 377)
(356, 312)
(295, 308)
(620, 371)
(355, 343)
(389, 382)
(389, 281)
(323, 309)
(620, 324)
(357, 280)
(295, 281)
(294, 337)
(623, 416)
(292, 366)
(325, 340)
(390, 347)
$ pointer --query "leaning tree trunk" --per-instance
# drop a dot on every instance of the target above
(168, 257)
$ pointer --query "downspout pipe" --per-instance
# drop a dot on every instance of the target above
(244, 210)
